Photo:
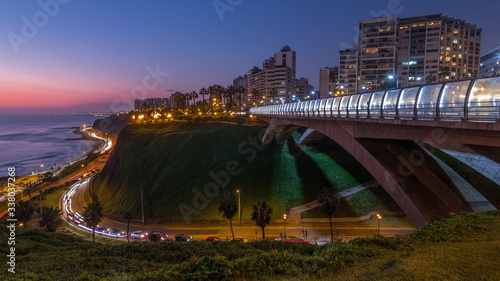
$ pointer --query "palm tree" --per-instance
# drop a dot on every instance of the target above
(50, 218)
(329, 202)
(128, 216)
(430, 78)
(256, 95)
(228, 208)
(262, 216)
(273, 94)
(211, 92)
(92, 216)
(24, 211)
(444, 72)
(231, 92)
(194, 96)
(240, 90)
(203, 92)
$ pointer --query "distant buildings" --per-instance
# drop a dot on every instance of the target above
(240, 81)
(275, 82)
(302, 89)
(408, 51)
(152, 103)
(490, 62)
(328, 81)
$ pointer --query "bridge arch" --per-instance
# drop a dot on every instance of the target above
(409, 174)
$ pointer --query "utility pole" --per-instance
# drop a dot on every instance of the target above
(239, 205)
(284, 227)
(142, 204)
(171, 91)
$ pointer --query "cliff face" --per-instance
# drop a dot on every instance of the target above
(183, 170)
(112, 124)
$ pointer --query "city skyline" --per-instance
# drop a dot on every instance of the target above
(67, 56)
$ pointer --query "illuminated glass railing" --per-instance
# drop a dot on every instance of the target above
(476, 99)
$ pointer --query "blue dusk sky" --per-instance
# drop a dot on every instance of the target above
(59, 56)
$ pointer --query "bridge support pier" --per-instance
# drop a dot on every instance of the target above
(411, 176)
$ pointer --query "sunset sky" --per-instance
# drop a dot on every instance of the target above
(84, 56)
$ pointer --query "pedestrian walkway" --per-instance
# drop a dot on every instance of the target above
(294, 214)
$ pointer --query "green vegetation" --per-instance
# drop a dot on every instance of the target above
(261, 215)
(92, 216)
(228, 209)
(183, 168)
(465, 247)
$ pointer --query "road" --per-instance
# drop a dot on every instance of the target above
(248, 230)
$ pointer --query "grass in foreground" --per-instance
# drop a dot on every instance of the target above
(465, 247)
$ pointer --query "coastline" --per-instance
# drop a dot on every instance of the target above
(97, 144)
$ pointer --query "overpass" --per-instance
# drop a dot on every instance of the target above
(380, 130)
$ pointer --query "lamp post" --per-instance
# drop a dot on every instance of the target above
(239, 205)
(284, 226)
(342, 88)
(379, 217)
(394, 77)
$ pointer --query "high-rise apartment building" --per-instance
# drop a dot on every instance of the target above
(240, 81)
(399, 52)
(274, 83)
(328, 80)
(436, 48)
(377, 56)
(348, 71)
(490, 62)
(302, 89)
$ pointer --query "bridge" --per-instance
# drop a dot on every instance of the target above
(381, 129)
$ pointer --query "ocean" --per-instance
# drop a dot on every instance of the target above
(35, 143)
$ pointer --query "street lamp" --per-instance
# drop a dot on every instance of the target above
(239, 205)
(284, 226)
(342, 88)
(394, 77)
(379, 216)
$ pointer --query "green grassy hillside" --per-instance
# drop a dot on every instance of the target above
(184, 168)
(465, 247)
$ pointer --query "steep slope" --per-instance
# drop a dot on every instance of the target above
(183, 169)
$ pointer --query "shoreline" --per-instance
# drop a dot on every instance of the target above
(97, 144)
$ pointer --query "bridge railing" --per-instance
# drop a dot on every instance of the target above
(475, 99)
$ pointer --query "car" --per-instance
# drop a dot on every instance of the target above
(102, 229)
(116, 232)
(157, 236)
(183, 238)
(212, 238)
(239, 240)
(138, 235)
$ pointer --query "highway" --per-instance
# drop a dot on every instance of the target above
(74, 201)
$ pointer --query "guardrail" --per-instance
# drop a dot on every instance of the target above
(474, 99)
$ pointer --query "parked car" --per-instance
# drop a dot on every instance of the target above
(183, 238)
(239, 240)
(116, 232)
(212, 238)
(157, 236)
(139, 235)
(102, 229)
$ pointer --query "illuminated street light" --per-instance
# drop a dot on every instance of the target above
(394, 77)
(239, 204)
(284, 226)
(379, 216)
